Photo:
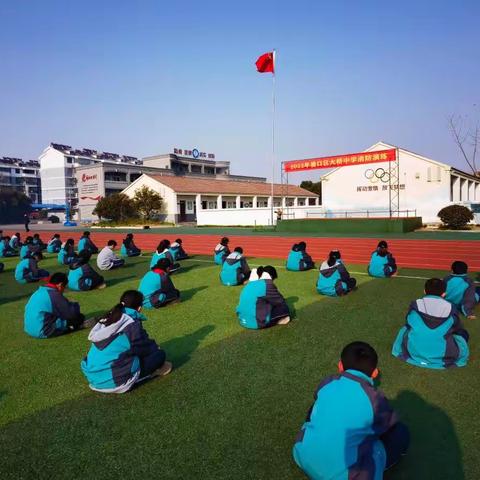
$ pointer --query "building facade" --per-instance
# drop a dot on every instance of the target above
(23, 176)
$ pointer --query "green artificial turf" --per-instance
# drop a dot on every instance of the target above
(235, 400)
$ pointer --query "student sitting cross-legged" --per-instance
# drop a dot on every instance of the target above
(48, 313)
(15, 242)
(128, 248)
(163, 251)
(382, 264)
(122, 353)
(29, 248)
(85, 243)
(261, 305)
(27, 270)
(157, 286)
(177, 251)
(82, 277)
(221, 251)
(107, 260)
(298, 259)
(67, 254)
(235, 270)
(5, 249)
(461, 291)
(334, 279)
(433, 336)
(38, 242)
(55, 244)
(351, 431)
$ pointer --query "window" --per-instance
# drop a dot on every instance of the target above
(189, 206)
(110, 191)
(115, 177)
(209, 170)
(311, 201)
(134, 176)
(212, 205)
(69, 159)
(301, 202)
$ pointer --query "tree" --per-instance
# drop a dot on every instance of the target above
(13, 205)
(314, 187)
(117, 206)
(456, 217)
(148, 202)
(466, 136)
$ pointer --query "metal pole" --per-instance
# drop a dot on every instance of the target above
(273, 132)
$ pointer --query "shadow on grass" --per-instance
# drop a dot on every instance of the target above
(291, 301)
(116, 281)
(192, 267)
(6, 300)
(186, 295)
(179, 349)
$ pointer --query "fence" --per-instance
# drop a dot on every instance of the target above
(362, 214)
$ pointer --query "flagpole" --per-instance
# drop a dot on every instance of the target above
(273, 134)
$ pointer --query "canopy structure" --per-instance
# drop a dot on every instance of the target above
(53, 206)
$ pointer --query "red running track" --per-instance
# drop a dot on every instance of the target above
(428, 254)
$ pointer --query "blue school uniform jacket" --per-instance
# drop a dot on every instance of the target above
(4, 248)
(156, 284)
(429, 339)
(157, 256)
(65, 256)
(177, 251)
(256, 301)
(381, 266)
(47, 312)
(233, 269)
(461, 292)
(332, 281)
(299, 260)
(340, 437)
(112, 364)
(14, 243)
(54, 246)
(26, 251)
(24, 268)
(83, 277)
(86, 244)
(128, 248)
(220, 254)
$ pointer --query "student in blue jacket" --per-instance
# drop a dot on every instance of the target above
(82, 277)
(85, 243)
(28, 248)
(433, 336)
(221, 251)
(334, 279)
(261, 305)
(461, 291)
(48, 313)
(38, 242)
(55, 244)
(5, 249)
(177, 251)
(235, 270)
(351, 431)
(382, 264)
(122, 353)
(163, 251)
(27, 270)
(128, 248)
(298, 259)
(67, 255)
(15, 242)
(157, 286)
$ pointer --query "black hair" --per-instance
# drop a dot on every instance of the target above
(179, 240)
(336, 254)
(130, 299)
(459, 267)
(58, 277)
(382, 248)
(17, 234)
(382, 244)
(224, 241)
(359, 356)
(112, 243)
(163, 245)
(130, 235)
(6, 238)
(435, 286)
(333, 257)
(86, 233)
(36, 235)
(267, 269)
(295, 247)
(238, 250)
(70, 241)
(163, 264)
(29, 239)
(56, 235)
(302, 246)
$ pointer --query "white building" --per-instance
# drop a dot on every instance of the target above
(223, 202)
(425, 185)
(23, 176)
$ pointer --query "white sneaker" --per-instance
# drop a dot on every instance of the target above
(165, 369)
(284, 321)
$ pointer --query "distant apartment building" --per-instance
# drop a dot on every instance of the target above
(21, 175)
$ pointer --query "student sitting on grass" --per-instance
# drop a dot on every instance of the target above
(27, 270)
(122, 353)
(15, 242)
(298, 259)
(382, 264)
(48, 313)
(221, 251)
(351, 431)
(55, 244)
(177, 251)
(461, 291)
(128, 248)
(107, 260)
(157, 287)
(235, 269)
(261, 305)
(38, 242)
(163, 251)
(82, 277)
(433, 336)
(67, 254)
(334, 279)
(28, 248)
(85, 243)
(5, 249)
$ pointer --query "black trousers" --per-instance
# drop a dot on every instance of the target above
(396, 442)
(151, 362)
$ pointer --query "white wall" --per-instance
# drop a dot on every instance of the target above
(52, 174)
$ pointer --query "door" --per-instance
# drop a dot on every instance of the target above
(183, 212)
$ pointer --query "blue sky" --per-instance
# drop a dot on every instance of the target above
(143, 77)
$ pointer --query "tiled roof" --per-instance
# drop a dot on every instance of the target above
(226, 187)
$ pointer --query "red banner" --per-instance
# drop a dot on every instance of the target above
(341, 160)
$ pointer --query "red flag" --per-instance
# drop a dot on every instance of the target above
(266, 63)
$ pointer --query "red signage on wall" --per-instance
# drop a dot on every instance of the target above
(341, 160)
(86, 178)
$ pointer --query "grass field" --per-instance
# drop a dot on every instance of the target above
(236, 399)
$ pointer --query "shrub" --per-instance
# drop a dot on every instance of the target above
(117, 206)
(455, 217)
(54, 219)
(148, 203)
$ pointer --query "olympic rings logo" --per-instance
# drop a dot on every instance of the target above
(378, 175)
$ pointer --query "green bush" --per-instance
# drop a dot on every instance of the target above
(455, 217)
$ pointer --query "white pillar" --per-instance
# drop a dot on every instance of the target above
(284, 202)
(295, 201)
(254, 202)
(237, 201)
(219, 202)
(198, 202)
(270, 202)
